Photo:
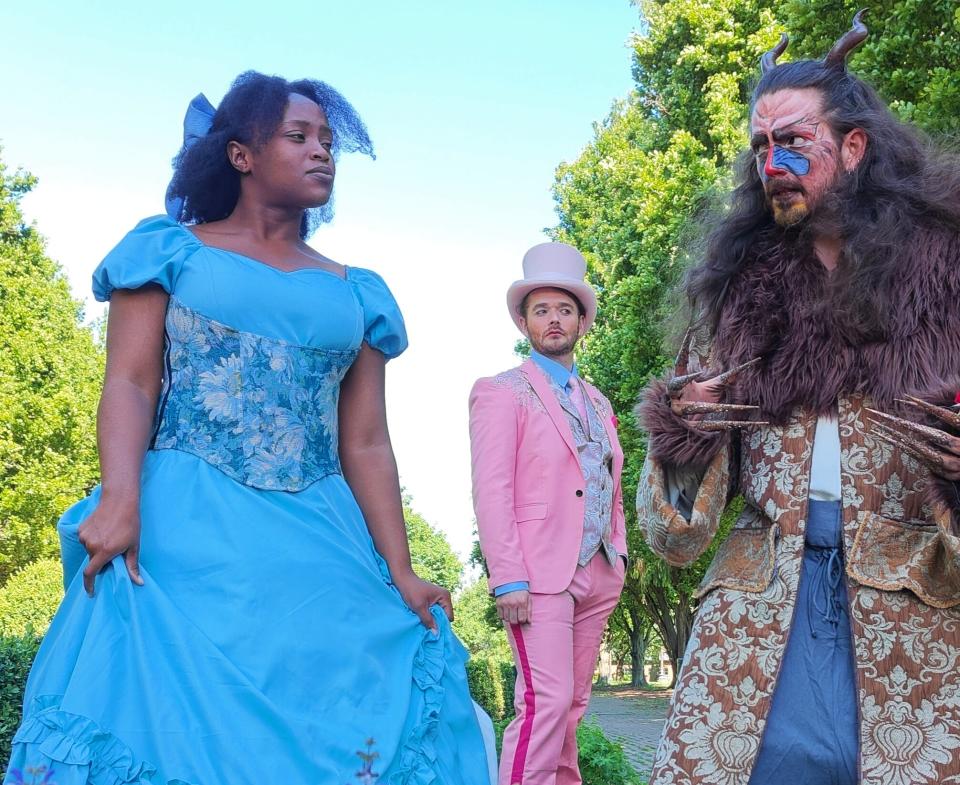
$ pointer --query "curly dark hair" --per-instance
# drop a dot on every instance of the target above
(902, 184)
(203, 179)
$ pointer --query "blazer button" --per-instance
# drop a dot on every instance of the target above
(579, 492)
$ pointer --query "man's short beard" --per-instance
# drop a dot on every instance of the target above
(790, 216)
(561, 351)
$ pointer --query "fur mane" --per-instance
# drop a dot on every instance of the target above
(779, 307)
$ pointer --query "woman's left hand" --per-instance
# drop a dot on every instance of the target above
(419, 595)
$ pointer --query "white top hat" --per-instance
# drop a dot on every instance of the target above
(553, 266)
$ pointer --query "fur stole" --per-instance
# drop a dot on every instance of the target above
(778, 308)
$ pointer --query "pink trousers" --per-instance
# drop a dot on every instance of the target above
(556, 654)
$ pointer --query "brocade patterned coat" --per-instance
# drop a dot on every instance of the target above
(901, 539)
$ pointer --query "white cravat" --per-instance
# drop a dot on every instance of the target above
(825, 466)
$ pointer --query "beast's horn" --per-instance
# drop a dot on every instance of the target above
(769, 60)
(849, 41)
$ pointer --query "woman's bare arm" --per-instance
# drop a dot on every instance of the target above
(125, 417)
(370, 470)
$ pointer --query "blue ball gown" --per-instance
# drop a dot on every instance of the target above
(268, 643)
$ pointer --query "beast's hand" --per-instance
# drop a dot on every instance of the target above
(696, 397)
(937, 448)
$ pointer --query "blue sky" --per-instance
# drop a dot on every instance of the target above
(471, 107)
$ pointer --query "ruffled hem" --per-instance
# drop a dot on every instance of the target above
(74, 740)
(417, 764)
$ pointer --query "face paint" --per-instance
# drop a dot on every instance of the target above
(797, 156)
(791, 161)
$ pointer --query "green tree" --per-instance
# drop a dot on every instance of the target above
(432, 557)
(633, 201)
(630, 203)
(912, 55)
(476, 623)
(50, 374)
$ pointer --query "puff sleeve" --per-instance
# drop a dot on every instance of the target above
(383, 326)
(153, 252)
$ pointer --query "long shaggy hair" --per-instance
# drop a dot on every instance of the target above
(249, 113)
(887, 320)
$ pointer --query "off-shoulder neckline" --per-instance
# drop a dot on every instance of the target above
(260, 263)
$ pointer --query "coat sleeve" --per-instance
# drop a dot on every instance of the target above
(685, 482)
(493, 453)
(678, 532)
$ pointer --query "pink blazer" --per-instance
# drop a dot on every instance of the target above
(527, 483)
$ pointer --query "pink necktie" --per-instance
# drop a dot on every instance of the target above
(576, 395)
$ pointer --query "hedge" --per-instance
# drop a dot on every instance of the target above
(486, 687)
(16, 656)
(30, 597)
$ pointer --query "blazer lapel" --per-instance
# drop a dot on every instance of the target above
(541, 387)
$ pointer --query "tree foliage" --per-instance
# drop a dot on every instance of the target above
(477, 625)
(912, 55)
(430, 553)
(50, 374)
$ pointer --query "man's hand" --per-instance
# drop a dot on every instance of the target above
(515, 607)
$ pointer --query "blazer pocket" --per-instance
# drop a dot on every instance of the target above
(891, 554)
(530, 512)
(745, 561)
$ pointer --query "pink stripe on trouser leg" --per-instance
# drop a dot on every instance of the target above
(543, 652)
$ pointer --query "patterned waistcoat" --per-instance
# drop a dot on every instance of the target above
(596, 459)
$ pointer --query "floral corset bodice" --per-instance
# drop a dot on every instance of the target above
(261, 410)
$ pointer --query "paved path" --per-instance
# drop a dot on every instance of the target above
(634, 718)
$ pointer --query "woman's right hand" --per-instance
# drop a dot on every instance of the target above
(110, 530)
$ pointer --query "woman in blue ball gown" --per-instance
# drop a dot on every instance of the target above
(240, 603)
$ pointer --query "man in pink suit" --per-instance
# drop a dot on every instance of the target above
(546, 489)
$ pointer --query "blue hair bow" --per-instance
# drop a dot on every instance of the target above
(196, 125)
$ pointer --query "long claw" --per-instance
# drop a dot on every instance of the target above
(726, 376)
(727, 425)
(702, 407)
(926, 455)
(677, 383)
(933, 435)
(683, 356)
(940, 412)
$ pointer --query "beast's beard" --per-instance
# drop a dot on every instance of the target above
(788, 202)
(792, 206)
